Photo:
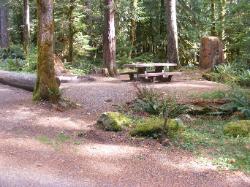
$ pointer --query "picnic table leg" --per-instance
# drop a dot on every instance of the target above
(131, 76)
(161, 78)
(141, 70)
(157, 70)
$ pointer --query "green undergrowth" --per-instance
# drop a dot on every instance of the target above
(206, 138)
(55, 141)
(236, 73)
(218, 94)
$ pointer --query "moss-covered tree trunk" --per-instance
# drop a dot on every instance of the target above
(47, 87)
(109, 38)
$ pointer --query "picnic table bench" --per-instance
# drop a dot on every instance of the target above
(158, 73)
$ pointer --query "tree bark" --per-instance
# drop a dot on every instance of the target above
(71, 31)
(172, 47)
(213, 21)
(20, 80)
(222, 19)
(26, 26)
(47, 87)
(109, 38)
(4, 35)
(133, 27)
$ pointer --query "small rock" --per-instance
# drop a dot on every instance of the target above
(165, 142)
(81, 134)
(186, 117)
(108, 100)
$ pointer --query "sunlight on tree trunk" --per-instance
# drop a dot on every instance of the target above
(172, 47)
(26, 26)
(47, 87)
(109, 38)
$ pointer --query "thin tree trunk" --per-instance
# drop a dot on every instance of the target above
(162, 15)
(172, 47)
(71, 31)
(109, 38)
(213, 21)
(47, 87)
(4, 35)
(133, 27)
(26, 26)
(222, 19)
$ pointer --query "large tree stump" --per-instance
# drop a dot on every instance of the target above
(211, 52)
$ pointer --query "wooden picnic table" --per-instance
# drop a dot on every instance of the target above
(158, 73)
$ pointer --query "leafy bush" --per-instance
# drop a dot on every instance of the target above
(13, 52)
(244, 78)
(13, 59)
(238, 128)
(239, 101)
(234, 74)
(150, 101)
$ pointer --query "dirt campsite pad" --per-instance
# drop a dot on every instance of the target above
(41, 146)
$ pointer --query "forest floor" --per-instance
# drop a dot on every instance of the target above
(41, 146)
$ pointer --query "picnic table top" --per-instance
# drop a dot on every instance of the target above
(146, 65)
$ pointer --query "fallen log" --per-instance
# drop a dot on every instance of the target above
(24, 81)
(27, 81)
(20, 80)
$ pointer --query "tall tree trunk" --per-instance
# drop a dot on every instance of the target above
(71, 31)
(47, 87)
(162, 15)
(4, 35)
(109, 38)
(222, 19)
(26, 26)
(213, 21)
(172, 48)
(133, 27)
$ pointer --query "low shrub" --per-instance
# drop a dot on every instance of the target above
(233, 74)
(239, 102)
(153, 103)
(238, 128)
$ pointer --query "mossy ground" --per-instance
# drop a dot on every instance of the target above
(155, 127)
(113, 121)
(238, 128)
(206, 138)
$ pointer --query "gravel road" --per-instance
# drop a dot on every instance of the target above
(41, 147)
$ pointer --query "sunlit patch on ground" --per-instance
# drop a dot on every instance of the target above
(24, 143)
(186, 164)
(62, 123)
(102, 150)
